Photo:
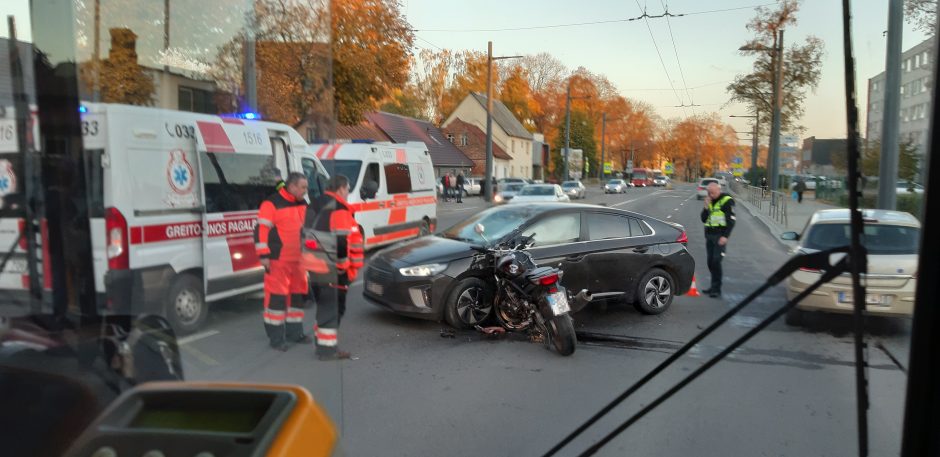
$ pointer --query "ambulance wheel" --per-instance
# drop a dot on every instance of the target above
(186, 306)
(425, 229)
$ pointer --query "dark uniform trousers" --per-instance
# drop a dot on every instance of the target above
(715, 253)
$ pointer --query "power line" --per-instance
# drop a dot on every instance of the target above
(665, 89)
(661, 61)
(675, 48)
(428, 42)
(665, 14)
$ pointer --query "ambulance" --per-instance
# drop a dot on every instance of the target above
(173, 200)
(392, 187)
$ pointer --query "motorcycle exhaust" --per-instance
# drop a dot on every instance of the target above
(581, 300)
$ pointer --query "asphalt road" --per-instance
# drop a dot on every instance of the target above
(410, 391)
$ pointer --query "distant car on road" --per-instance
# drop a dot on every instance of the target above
(891, 238)
(612, 253)
(514, 181)
(541, 193)
(507, 191)
(473, 186)
(703, 186)
(574, 189)
(908, 187)
(660, 180)
(615, 186)
(641, 177)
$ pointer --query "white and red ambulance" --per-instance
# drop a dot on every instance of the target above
(173, 200)
(404, 202)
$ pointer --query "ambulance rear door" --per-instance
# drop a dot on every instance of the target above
(238, 171)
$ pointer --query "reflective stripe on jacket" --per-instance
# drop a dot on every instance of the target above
(280, 218)
(718, 216)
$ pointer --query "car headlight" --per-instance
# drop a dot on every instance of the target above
(498, 198)
(430, 269)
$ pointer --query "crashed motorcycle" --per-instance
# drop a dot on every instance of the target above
(528, 298)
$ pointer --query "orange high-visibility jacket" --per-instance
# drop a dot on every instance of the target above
(332, 240)
(280, 219)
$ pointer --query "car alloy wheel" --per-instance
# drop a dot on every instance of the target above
(472, 308)
(657, 292)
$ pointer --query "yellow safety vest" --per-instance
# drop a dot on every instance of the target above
(716, 217)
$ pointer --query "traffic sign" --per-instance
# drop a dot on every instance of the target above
(669, 168)
(608, 167)
(739, 160)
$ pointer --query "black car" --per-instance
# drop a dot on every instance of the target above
(610, 252)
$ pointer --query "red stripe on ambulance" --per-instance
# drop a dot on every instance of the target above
(215, 137)
(228, 227)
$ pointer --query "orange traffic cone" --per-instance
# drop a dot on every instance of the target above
(693, 291)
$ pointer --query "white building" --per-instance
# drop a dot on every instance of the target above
(916, 76)
(508, 133)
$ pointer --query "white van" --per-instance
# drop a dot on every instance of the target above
(173, 200)
(402, 202)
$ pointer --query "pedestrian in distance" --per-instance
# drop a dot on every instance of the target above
(461, 182)
(800, 187)
(277, 243)
(718, 217)
(333, 254)
(445, 187)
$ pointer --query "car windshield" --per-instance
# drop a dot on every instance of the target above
(639, 175)
(497, 222)
(537, 190)
(513, 187)
(615, 181)
(706, 182)
(877, 238)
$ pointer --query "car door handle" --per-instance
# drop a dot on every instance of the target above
(641, 250)
(575, 257)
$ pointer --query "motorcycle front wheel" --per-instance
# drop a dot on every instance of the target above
(561, 331)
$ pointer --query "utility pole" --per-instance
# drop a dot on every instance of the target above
(564, 176)
(888, 171)
(600, 169)
(488, 177)
(774, 164)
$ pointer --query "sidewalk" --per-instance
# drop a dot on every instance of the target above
(798, 215)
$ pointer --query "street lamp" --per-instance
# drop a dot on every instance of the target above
(754, 147)
(568, 99)
(488, 179)
(774, 153)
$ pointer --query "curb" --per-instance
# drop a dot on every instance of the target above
(772, 226)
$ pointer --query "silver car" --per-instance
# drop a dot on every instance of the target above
(574, 189)
(615, 186)
(507, 192)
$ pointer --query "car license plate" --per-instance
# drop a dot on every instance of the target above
(375, 288)
(559, 303)
(870, 299)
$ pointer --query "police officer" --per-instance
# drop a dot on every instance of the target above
(333, 254)
(277, 242)
(718, 216)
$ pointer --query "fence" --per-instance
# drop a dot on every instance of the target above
(772, 203)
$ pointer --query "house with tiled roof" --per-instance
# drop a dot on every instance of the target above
(382, 126)
(472, 141)
(508, 133)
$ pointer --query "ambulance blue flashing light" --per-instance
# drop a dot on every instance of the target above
(82, 109)
(247, 115)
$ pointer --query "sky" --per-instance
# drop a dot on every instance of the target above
(706, 45)
(699, 55)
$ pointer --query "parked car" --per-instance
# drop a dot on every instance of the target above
(908, 187)
(514, 181)
(703, 186)
(574, 189)
(615, 186)
(891, 238)
(541, 193)
(613, 253)
(507, 191)
(473, 187)
(721, 180)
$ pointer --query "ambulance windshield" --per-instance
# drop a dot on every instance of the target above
(347, 168)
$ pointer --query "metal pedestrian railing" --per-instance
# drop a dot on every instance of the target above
(771, 202)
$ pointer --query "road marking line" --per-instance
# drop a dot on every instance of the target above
(196, 337)
(676, 209)
(669, 216)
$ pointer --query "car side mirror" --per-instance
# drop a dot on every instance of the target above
(479, 229)
(790, 236)
(369, 189)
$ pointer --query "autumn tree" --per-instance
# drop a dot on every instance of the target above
(802, 68)
(371, 42)
(922, 14)
(469, 75)
(408, 101)
(516, 94)
(119, 78)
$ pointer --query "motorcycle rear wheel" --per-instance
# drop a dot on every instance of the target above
(561, 330)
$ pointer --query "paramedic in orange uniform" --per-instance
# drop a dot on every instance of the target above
(277, 242)
(333, 254)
